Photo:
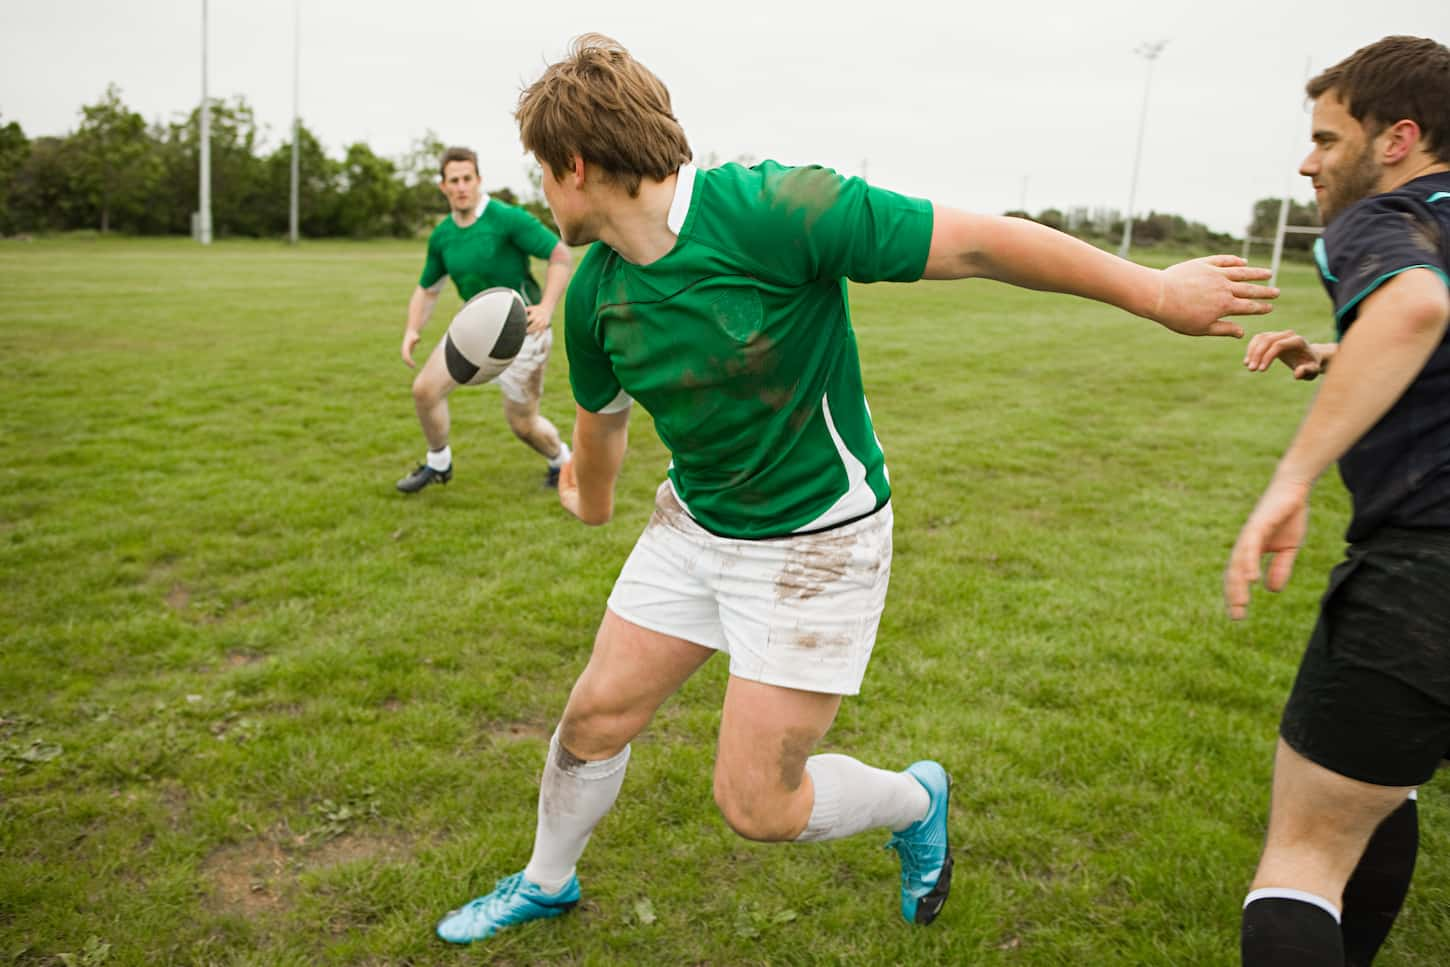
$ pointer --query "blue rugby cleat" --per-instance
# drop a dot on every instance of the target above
(926, 857)
(513, 900)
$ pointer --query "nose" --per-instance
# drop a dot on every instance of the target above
(1309, 167)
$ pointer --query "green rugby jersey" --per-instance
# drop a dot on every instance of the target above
(738, 341)
(492, 251)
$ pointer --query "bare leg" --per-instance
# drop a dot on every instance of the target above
(1319, 825)
(430, 398)
(630, 674)
(532, 427)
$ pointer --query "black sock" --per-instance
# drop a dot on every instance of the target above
(1379, 883)
(1285, 931)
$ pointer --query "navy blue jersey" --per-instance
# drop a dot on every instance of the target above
(1399, 472)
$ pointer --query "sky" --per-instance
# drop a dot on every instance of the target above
(988, 107)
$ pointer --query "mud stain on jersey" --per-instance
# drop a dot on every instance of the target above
(813, 564)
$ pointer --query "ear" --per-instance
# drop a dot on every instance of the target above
(1399, 141)
(576, 172)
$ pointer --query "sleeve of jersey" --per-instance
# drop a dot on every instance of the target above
(1374, 242)
(852, 229)
(531, 236)
(433, 268)
(591, 375)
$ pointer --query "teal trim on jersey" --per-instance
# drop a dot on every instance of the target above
(1321, 256)
(1380, 281)
(1438, 196)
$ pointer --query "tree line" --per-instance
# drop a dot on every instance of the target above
(116, 173)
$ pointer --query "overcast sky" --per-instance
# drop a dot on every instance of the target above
(982, 106)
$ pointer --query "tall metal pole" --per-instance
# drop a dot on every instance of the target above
(296, 116)
(1150, 52)
(204, 216)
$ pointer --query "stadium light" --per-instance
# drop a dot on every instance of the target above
(296, 117)
(203, 228)
(1149, 51)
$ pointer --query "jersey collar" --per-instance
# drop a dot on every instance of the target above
(684, 189)
(477, 212)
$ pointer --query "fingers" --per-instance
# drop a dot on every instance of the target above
(1306, 371)
(1222, 327)
(1241, 573)
(1247, 273)
(1267, 346)
(1281, 566)
(1248, 290)
(1225, 261)
(1249, 307)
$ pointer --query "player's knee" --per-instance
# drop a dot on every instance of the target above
(425, 392)
(749, 815)
(592, 733)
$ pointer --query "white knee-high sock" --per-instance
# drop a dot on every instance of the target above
(852, 796)
(573, 796)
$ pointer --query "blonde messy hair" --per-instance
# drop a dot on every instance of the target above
(602, 105)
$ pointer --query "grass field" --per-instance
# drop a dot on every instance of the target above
(257, 708)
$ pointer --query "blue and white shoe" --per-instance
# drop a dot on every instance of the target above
(513, 900)
(926, 857)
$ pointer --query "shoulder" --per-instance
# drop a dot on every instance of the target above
(1389, 218)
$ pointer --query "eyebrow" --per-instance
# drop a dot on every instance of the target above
(1323, 135)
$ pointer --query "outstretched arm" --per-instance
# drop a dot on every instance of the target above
(1398, 327)
(586, 483)
(556, 280)
(1191, 297)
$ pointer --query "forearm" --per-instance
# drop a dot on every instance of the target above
(1024, 253)
(556, 278)
(1379, 357)
(420, 308)
(600, 441)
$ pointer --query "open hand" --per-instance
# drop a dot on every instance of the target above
(1275, 528)
(1197, 294)
(410, 340)
(1287, 346)
(538, 318)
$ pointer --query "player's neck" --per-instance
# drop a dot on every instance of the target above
(638, 228)
(1416, 166)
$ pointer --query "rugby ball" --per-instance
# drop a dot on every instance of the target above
(485, 336)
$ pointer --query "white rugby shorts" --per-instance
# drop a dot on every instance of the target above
(797, 612)
(523, 380)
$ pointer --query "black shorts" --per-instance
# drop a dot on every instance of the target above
(1372, 699)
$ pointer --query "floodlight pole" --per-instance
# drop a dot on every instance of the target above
(296, 116)
(1148, 51)
(204, 215)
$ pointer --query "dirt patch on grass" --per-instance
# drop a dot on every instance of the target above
(262, 875)
(236, 659)
(514, 731)
(179, 597)
(248, 879)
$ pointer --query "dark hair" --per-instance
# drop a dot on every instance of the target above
(604, 106)
(456, 154)
(1395, 79)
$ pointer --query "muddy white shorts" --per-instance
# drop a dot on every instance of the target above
(799, 612)
(523, 380)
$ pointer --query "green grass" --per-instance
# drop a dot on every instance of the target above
(256, 708)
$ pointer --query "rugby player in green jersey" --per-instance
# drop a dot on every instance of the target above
(482, 244)
(716, 299)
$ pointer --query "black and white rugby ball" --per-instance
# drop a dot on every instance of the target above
(485, 336)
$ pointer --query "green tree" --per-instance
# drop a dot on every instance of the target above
(14, 149)
(116, 169)
(1265, 222)
(371, 192)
